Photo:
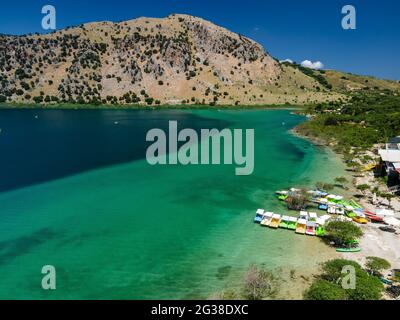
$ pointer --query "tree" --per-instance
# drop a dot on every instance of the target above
(298, 200)
(328, 285)
(324, 186)
(258, 284)
(3, 99)
(375, 265)
(368, 287)
(363, 187)
(325, 290)
(342, 232)
(341, 180)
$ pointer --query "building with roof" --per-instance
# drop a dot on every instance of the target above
(390, 162)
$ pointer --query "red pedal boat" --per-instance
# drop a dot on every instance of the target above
(373, 217)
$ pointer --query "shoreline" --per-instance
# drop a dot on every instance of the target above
(374, 241)
(67, 106)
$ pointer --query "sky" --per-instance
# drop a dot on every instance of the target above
(287, 29)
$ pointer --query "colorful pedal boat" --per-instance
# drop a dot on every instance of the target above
(284, 222)
(276, 219)
(259, 216)
(267, 219)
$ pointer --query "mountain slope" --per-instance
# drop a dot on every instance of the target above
(177, 59)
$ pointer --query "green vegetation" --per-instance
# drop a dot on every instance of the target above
(329, 285)
(317, 75)
(258, 284)
(324, 186)
(363, 187)
(375, 265)
(325, 290)
(342, 232)
(298, 201)
(341, 182)
(369, 117)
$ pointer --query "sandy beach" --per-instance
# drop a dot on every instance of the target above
(374, 242)
(377, 243)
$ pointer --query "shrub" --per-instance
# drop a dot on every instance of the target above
(363, 187)
(328, 285)
(342, 232)
(258, 284)
(375, 265)
(325, 290)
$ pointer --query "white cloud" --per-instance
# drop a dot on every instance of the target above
(286, 60)
(312, 65)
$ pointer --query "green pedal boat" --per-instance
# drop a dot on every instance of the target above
(356, 249)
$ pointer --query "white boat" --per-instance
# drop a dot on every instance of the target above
(320, 221)
(312, 216)
(325, 217)
(331, 209)
(303, 215)
(259, 216)
(339, 210)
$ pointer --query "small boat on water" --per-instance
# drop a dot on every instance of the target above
(276, 219)
(291, 225)
(356, 249)
(312, 216)
(301, 226)
(334, 198)
(284, 222)
(303, 215)
(339, 210)
(331, 209)
(259, 216)
(267, 219)
(323, 206)
(311, 228)
(283, 197)
(320, 231)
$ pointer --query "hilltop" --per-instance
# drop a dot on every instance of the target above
(173, 60)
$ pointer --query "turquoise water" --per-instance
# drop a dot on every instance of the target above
(135, 231)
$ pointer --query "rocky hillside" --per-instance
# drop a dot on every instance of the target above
(178, 59)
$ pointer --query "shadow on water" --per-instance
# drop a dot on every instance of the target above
(11, 249)
(42, 145)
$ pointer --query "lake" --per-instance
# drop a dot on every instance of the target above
(77, 193)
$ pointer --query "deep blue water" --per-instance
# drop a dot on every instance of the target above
(41, 145)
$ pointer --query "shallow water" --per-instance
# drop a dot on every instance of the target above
(117, 227)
